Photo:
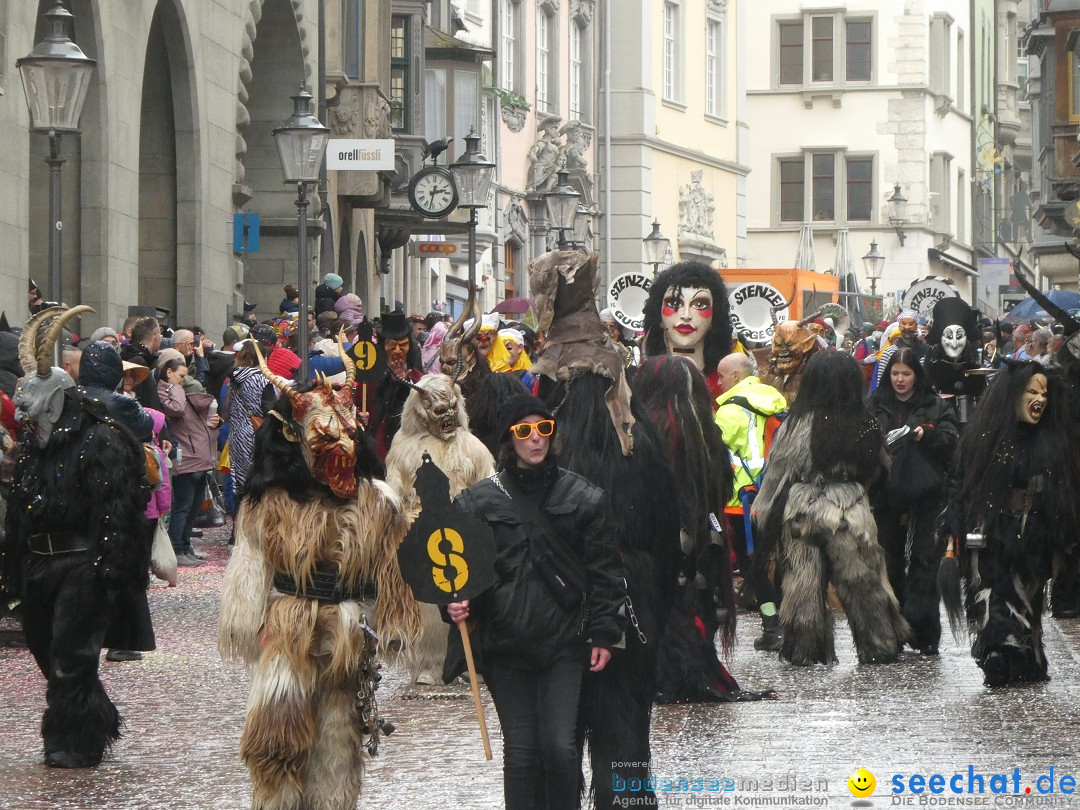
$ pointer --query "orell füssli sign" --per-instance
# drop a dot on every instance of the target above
(360, 154)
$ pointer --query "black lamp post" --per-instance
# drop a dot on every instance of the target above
(472, 174)
(873, 262)
(55, 77)
(301, 143)
(562, 207)
(656, 247)
(582, 221)
(898, 212)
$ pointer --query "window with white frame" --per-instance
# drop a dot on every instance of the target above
(960, 70)
(825, 186)
(961, 206)
(451, 105)
(672, 52)
(545, 25)
(714, 68)
(509, 57)
(577, 87)
(399, 73)
(830, 48)
(940, 50)
(941, 191)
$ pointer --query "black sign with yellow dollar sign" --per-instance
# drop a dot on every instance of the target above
(369, 355)
(448, 554)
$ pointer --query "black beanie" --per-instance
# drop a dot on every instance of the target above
(516, 408)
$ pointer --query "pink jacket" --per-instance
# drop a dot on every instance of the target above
(161, 497)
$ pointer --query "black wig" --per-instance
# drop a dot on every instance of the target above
(690, 274)
(484, 413)
(845, 436)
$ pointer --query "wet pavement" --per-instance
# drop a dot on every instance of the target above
(184, 709)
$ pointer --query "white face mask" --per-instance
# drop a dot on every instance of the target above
(686, 315)
(953, 341)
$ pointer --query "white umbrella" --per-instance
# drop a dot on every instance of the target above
(804, 255)
(848, 282)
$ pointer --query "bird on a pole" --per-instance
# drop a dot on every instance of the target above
(436, 148)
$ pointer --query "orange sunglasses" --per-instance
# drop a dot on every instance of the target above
(524, 430)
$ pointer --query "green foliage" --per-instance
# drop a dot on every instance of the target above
(508, 98)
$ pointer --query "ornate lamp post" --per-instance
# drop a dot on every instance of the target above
(656, 247)
(301, 143)
(581, 227)
(562, 207)
(898, 212)
(472, 175)
(873, 262)
(55, 77)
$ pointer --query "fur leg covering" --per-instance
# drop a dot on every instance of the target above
(1065, 589)
(278, 735)
(805, 620)
(80, 721)
(336, 766)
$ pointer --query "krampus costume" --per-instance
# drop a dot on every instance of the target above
(824, 457)
(458, 357)
(313, 575)
(77, 538)
(403, 361)
(433, 422)
(673, 394)
(583, 381)
(1065, 589)
(781, 365)
(1013, 508)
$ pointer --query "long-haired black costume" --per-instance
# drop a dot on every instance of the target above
(690, 274)
(1013, 506)
(824, 457)
(609, 442)
(77, 537)
(671, 392)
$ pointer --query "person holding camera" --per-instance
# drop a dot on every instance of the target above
(553, 610)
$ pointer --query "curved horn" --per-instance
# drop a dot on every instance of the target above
(350, 366)
(815, 314)
(473, 331)
(457, 325)
(773, 311)
(28, 338)
(45, 348)
(279, 384)
(1063, 317)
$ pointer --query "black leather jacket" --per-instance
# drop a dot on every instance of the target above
(518, 616)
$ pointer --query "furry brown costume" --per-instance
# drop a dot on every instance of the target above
(813, 497)
(434, 422)
(314, 570)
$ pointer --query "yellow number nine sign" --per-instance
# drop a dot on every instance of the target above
(451, 572)
(364, 351)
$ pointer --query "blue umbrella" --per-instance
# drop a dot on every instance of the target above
(1030, 309)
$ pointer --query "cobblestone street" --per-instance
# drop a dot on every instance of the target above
(184, 710)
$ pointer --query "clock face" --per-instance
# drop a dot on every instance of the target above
(433, 193)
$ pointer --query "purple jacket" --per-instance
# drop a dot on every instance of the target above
(161, 497)
(187, 415)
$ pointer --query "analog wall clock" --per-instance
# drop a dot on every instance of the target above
(433, 192)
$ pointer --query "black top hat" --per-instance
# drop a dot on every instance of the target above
(394, 326)
(249, 306)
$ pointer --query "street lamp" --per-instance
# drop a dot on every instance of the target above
(581, 226)
(656, 247)
(873, 262)
(472, 174)
(301, 143)
(898, 212)
(562, 206)
(55, 78)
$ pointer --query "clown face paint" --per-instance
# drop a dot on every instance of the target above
(953, 342)
(686, 316)
(483, 341)
(397, 353)
(1032, 402)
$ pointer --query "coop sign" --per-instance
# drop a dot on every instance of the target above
(360, 154)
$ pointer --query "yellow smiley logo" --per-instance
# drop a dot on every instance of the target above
(861, 783)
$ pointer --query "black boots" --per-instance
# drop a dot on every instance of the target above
(770, 634)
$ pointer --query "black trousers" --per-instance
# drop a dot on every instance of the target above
(65, 614)
(754, 570)
(538, 711)
(912, 556)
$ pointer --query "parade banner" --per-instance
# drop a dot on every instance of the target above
(752, 306)
(924, 293)
(628, 294)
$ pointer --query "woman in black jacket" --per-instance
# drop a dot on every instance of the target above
(915, 492)
(537, 638)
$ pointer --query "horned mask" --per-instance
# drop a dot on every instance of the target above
(39, 396)
(324, 424)
(435, 407)
(792, 345)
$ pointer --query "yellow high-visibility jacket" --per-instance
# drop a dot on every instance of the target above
(744, 430)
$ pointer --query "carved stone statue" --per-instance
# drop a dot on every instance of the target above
(546, 156)
(697, 208)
